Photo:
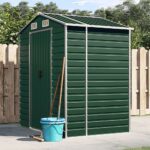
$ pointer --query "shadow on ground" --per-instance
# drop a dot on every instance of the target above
(27, 139)
(17, 131)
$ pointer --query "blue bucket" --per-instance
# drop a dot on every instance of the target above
(52, 128)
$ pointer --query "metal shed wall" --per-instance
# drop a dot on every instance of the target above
(76, 81)
(108, 81)
(58, 50)
(105, 108)
(96, 77)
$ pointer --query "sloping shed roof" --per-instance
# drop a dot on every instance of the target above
(96, 21)
(63, 18)
(82, 21)
(89, 20)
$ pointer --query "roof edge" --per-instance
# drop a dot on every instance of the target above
(28, 23)
(65, 16)
(43, 15)
(70, 24)
(102, 27)
(97, 17)
(58, 21)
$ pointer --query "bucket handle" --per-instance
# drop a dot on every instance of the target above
(55, 129)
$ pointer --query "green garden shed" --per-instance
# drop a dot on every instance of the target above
(96, 83)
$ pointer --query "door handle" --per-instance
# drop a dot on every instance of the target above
(40, 74)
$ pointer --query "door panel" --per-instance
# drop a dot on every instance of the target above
(40, 76)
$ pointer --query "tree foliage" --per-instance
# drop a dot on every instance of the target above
(133, 15)
(13, 18)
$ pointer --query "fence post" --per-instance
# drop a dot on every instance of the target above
(142, 69)
(1, 91)
(17, 106)
(134, 81)
(12, 57)
(3, 48)
(148, 81)
(11, 96)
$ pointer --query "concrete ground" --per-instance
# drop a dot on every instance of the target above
(14, 137)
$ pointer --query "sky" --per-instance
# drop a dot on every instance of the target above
(70, 5)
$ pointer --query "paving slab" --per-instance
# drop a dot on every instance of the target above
(15, 137)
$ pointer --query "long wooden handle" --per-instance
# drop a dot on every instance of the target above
(37, 138)
(61, 87)
(52, 104)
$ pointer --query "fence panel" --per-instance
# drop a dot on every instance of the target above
(9, 84)
(140, 104)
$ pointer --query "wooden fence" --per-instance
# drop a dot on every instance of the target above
(9, 84)
(140, 104)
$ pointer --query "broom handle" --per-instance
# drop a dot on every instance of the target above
(52, 105)
(61, 87)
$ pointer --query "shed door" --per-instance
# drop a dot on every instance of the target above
(40, 76)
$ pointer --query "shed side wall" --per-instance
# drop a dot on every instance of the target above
(57, 61)
(24, 79)
(108, 98)
(76, 81)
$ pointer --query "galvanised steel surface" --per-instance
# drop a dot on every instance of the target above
(54, 48)
(39, 75)
(96, 88)
(108, 81)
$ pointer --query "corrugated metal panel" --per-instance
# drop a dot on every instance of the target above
(84, 20)
(40, 75)
(108, 100)
(58, 46)
(76, 81)
(95, 21)
(57, 59)
(63, 18)
(24, 78)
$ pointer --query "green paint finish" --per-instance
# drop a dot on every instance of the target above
(108, 96)
(76, 105)
(108, 57)
(107, 123)
(107, 43)
(114, 83)
(40, 75)
(76, 80)
(107, 50)
(80, 111)
(108, 37)
(108, 116)
(76, 97)
(106, 104)
(76, 132)
(111, 129)
(76, 35)
(104, 90)
(108, 75)
(112, 109)
(101, 77)
(57, 60)
(105, 63)
(76, 125)
(95, 21)
(108, 81)
(58, 45)
(24, 94)
(76, 83)
(76, 118)
(62, 18)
